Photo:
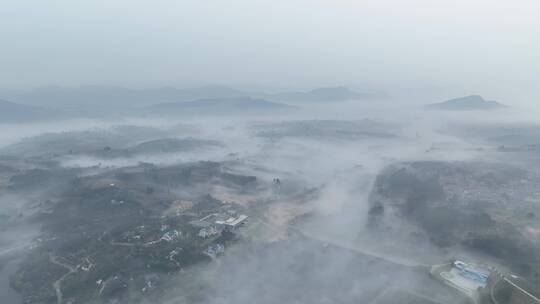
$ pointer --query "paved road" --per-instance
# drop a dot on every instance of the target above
(57, 285)
(522, 290)
(14, 249)
(360, 249)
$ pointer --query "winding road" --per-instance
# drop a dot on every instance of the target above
(57, 285)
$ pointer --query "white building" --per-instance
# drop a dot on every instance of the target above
(233, 222)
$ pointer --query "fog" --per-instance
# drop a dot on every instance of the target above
(466, 46)
(341, 164)
(369, 145)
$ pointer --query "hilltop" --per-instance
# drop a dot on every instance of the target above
(472, 102)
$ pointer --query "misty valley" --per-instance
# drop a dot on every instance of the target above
(322, 196)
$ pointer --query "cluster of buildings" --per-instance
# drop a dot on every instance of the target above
(468, 278)
(171, 236)
(476, 274)
(473, 188)
(216, 223)
(214, 250)
(496, 287)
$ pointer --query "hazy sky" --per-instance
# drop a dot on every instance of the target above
(478, 44)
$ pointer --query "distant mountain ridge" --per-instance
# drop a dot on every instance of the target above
(114, 102)
(472, 102)
(110, 95)
(238, 105)
(326, 94)
(15, 112)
